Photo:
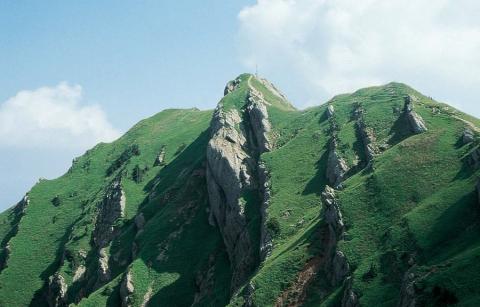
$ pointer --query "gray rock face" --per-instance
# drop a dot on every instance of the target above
(407, 292)
(336, 264)
(228, 175)
(103, 273)
(233, 171)
(416, 121)
(57, 291)
(258, 115)
(248, 295)
(160, 159)
(368, 140)
(266, 242)
(332, 214)
(349, 298)
(468, 136)
(231, 86)
(336, 166)
(473, 158)
(340, 268)
(111, 208)
(127, 289)
(330, 111)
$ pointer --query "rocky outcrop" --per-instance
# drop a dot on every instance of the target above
(467, 136)
(366, 134)
(349, 298)
(112, 208)
(332, 214)
(330, 110)
(416, 121)
(248, 294)
(340, 268)
(258, 117)
(231, 86)
(127, 289)
(336, 165)
(473, 158)
(233, 172)
(407, 292)
(336, 264)
(368, 140)
(266, 241)
(229, 169)
(57, 291)
(103, 271)
(79, 273)
(160, 159)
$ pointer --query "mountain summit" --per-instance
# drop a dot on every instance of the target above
(368, 200)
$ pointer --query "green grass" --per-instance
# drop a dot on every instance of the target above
(418, 200)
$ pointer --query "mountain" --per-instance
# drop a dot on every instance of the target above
(368, 200)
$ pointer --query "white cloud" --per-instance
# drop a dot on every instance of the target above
(325, 47)
(53, 118)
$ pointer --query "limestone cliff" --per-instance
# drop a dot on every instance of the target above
(234, 178)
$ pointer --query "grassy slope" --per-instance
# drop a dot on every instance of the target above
(46, 230)
(418, 200)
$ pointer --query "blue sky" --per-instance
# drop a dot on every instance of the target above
(73, 73)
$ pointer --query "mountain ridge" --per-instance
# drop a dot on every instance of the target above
(246, 189)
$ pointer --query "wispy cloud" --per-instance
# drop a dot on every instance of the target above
(53, 118)
(327, 47)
